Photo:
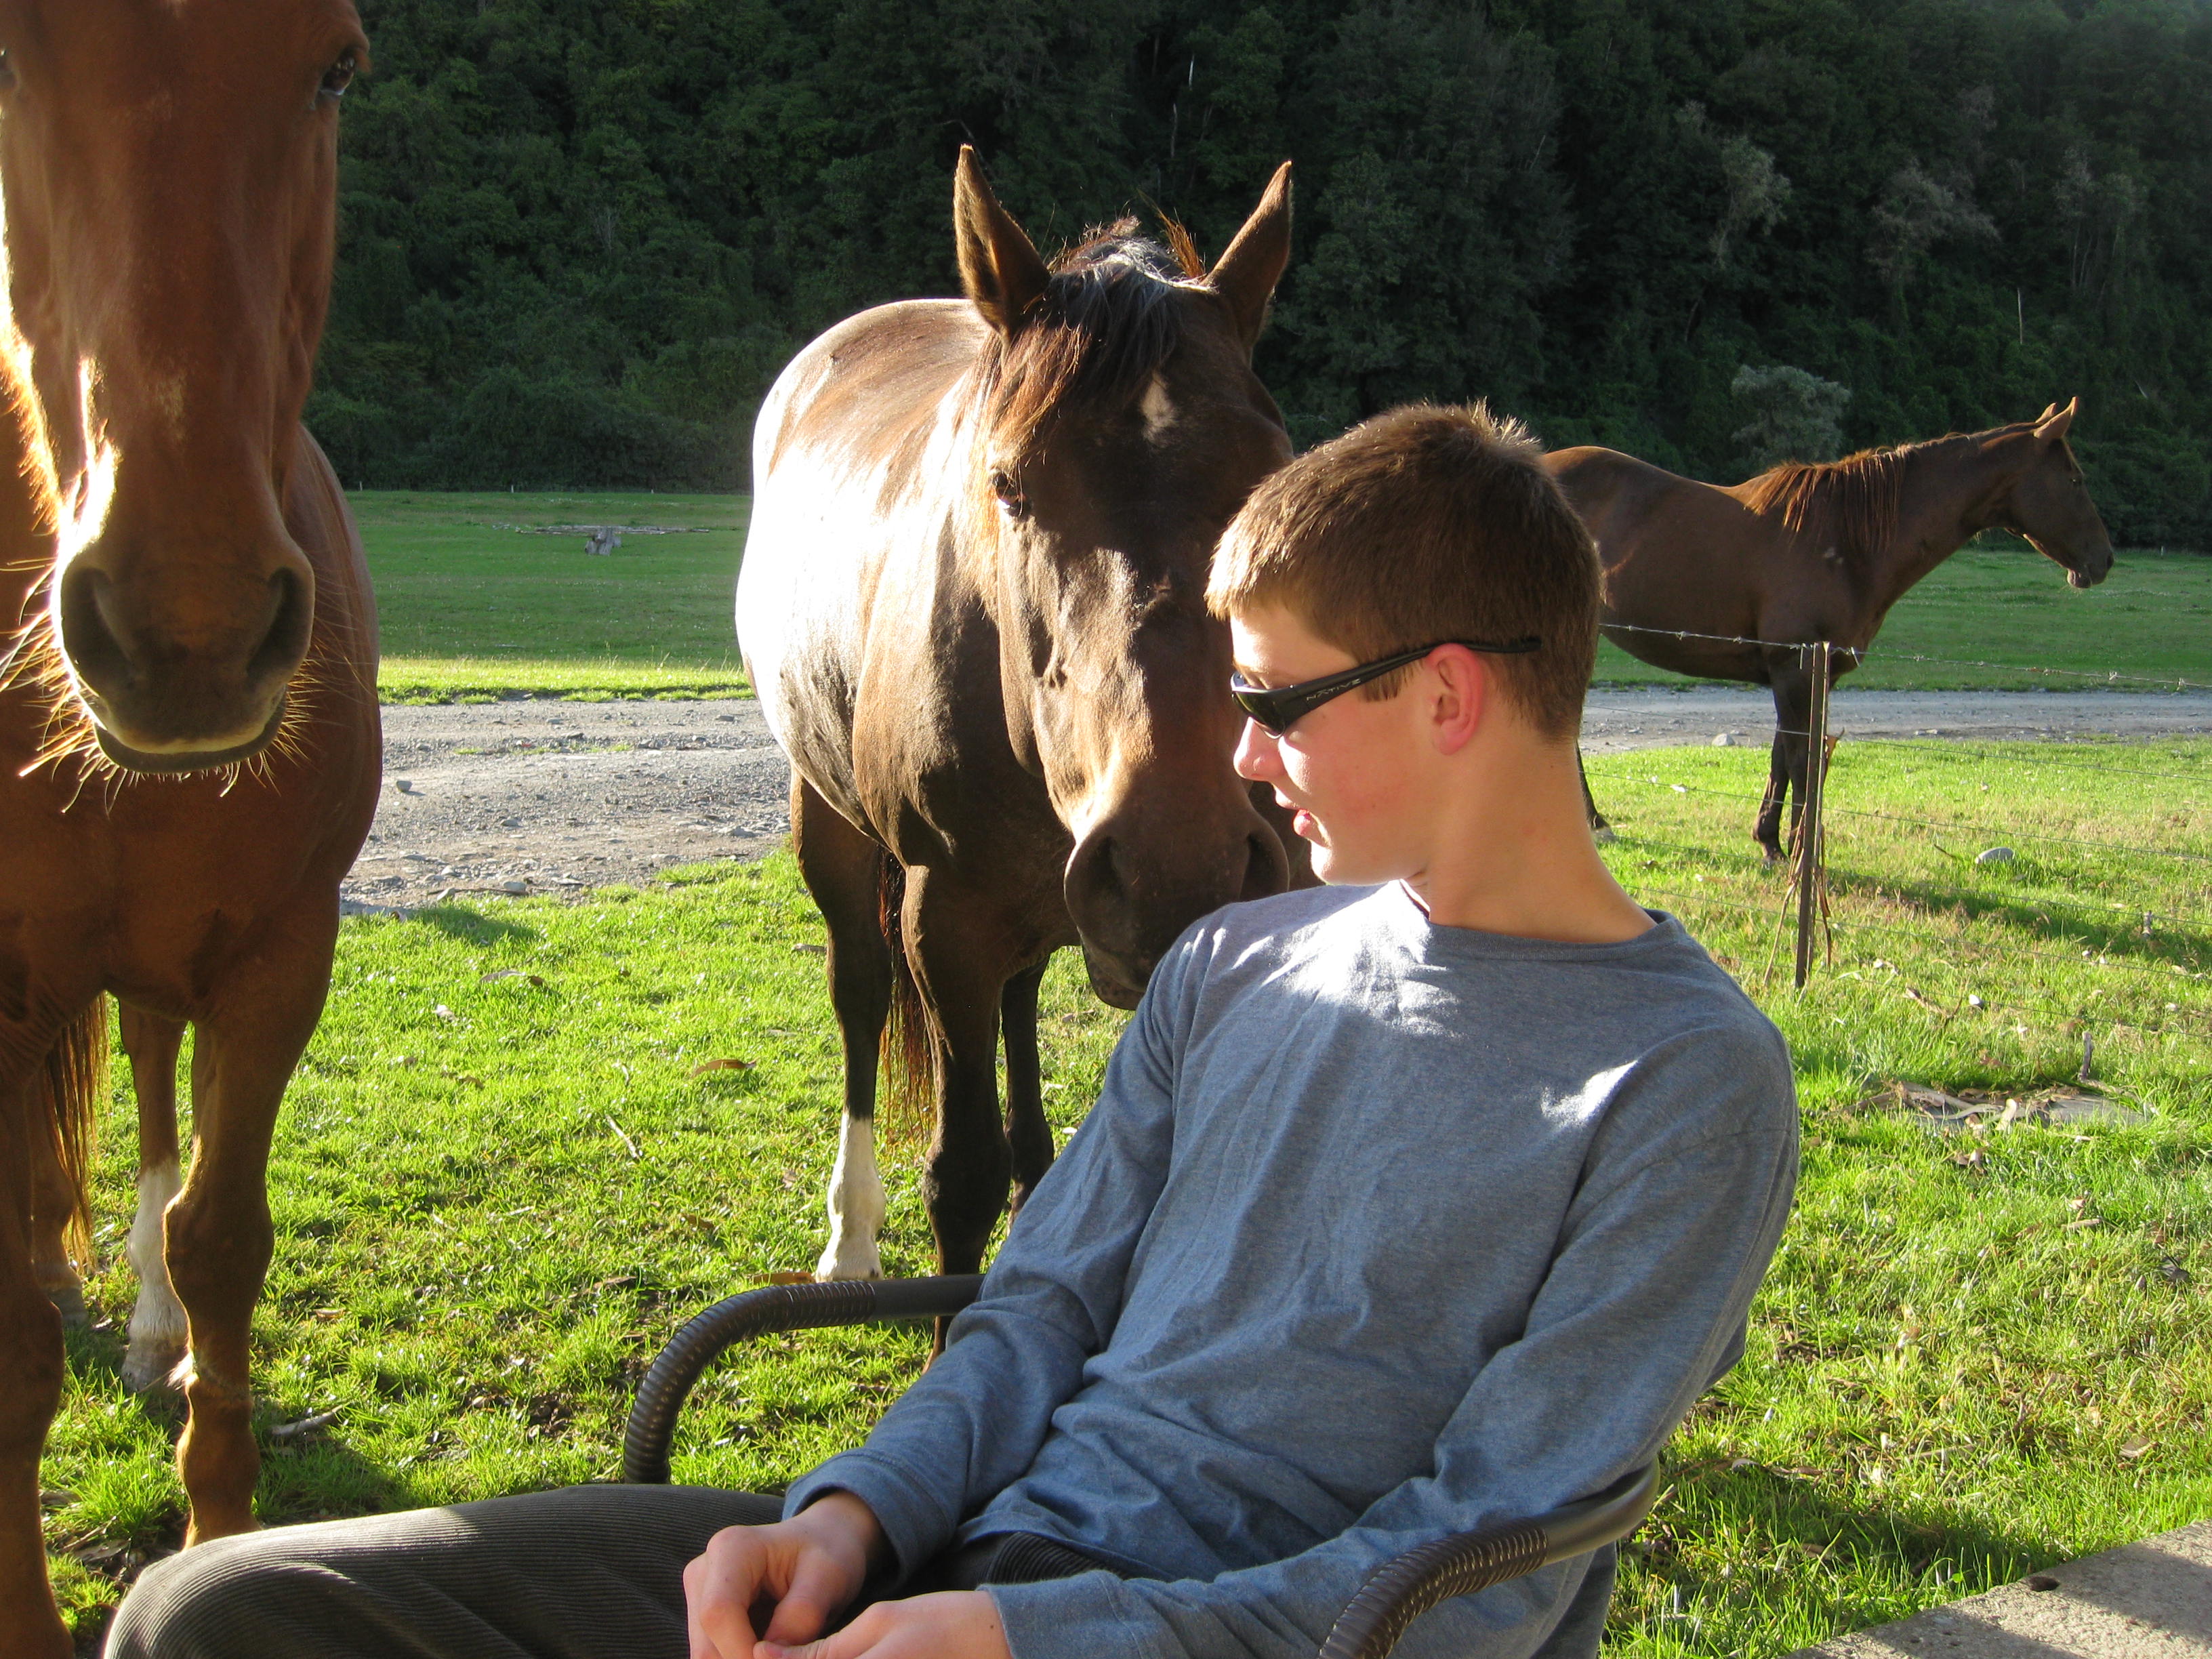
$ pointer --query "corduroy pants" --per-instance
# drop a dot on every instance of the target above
(585, 1572)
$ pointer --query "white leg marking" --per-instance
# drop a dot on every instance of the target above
(856, 1206)
(157, 1324)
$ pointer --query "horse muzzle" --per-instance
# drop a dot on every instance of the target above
(167, 698)
(175, 761)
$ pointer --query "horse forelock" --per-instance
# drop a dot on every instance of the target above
(1103, 327)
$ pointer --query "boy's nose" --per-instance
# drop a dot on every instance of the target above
(1257, 758)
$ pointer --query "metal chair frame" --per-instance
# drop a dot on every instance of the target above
(1396, 1593)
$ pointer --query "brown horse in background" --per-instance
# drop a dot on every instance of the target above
(1814, 552)
(193, 604)
(972, 606)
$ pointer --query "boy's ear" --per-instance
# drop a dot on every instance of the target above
(1461, 700)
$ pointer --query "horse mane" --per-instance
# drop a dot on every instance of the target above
(1854, 500)
(1100, 329)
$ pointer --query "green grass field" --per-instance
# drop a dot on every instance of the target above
(498, 1192)
(472, 608)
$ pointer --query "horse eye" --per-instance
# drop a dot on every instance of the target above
(339, 76)
(1008, 492)
(7, 72)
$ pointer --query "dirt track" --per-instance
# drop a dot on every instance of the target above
(544, 796)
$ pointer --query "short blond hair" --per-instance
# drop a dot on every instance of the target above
(1426, 524)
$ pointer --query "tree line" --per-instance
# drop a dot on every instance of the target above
(579, 237)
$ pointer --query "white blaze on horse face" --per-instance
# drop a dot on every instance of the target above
(157, 1324)
(856, 1206)
(1158, 410)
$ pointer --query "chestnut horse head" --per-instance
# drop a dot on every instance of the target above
(2046, 500)
(1120, 427)
(170, 223)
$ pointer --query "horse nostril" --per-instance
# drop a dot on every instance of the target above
(286, 642)
(88, 637)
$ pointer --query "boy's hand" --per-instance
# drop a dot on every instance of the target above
(951, 1624)
(809, 1567)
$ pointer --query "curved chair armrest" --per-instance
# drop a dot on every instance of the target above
(676, 1368)
(1402, 1589)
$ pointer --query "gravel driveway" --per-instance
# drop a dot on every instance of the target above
(532, 795)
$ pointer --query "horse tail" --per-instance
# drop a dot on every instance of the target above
(65, 1107)
(909, 1061)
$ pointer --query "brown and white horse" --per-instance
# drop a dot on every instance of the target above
(972, 605)
(189, 748)
(1814, 552)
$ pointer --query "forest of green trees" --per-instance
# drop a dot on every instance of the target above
(579, 237)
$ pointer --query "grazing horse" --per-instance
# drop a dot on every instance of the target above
(189, 745)
(1814, 552)
(972, 607)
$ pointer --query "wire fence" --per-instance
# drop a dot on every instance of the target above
(2156, 937)
(1861, 653)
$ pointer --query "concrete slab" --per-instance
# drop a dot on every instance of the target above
(2146, 1600)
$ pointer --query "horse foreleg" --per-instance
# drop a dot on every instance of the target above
(54, 1202)
(963, 967)
(157, 1324)
(1785, 774)
(1028, 1134)
(31, 1366)
(218, 1235)
(843, 870)
(1767, 831)
(1601, 831)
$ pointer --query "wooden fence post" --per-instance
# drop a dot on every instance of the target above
(1812, 852)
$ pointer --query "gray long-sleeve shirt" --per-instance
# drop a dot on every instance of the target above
(1380, 1230)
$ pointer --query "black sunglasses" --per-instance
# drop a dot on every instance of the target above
(1276, 711)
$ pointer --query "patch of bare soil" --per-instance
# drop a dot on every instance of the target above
(531, 795)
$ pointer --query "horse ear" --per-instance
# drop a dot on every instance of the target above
(2054, 425)
(999, 265)
(1247, 273)
(2049, 410)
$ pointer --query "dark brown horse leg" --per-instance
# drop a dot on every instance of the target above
(157, 1324)
(843, 870)
(1793, 708)
(218, 1232)
(1767, 831)
(54, 1202)
(1601, 831)
(31, 1367)
(1027, 1133)
(963, 965)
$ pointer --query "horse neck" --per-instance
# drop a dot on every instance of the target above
(1946, 495)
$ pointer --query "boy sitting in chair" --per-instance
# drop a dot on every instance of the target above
(1411, 1204)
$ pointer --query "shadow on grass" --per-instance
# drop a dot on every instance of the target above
(472, 926)
(2057, 921)
(1875, 1556)
(317, 1477)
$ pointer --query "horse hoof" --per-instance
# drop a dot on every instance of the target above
(850, 1263)
(151, 1365)
(1603, 835)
